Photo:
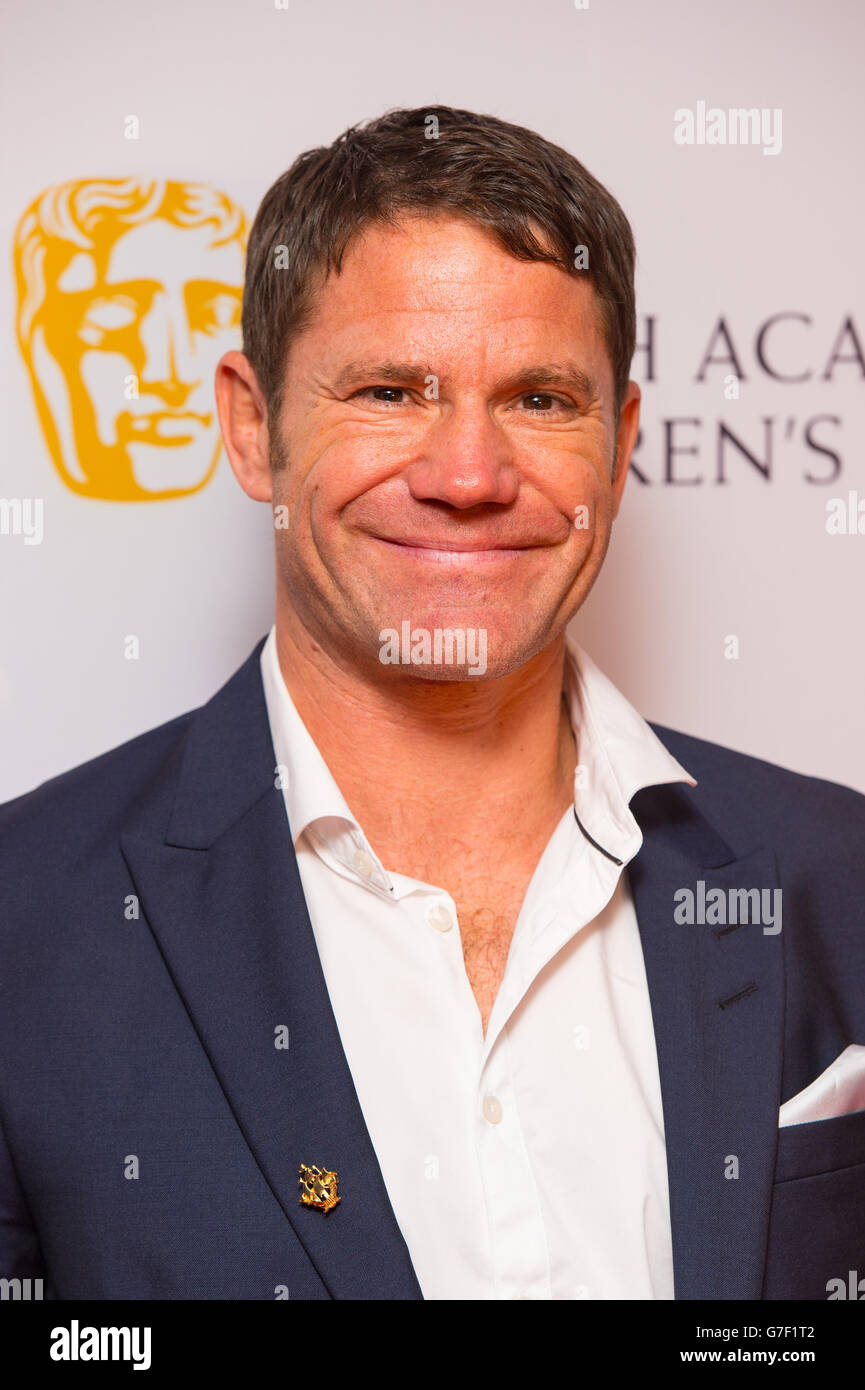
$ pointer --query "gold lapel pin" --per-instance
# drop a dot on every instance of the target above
(318, 1187)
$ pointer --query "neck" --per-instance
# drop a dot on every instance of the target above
(459, 759)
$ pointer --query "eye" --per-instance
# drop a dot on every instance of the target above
(391, 395)
(388, 396)
(541, 401)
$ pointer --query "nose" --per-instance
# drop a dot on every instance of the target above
(168, 364)
(466, 460)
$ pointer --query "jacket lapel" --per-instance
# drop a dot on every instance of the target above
(717, 1004)
(222, 895)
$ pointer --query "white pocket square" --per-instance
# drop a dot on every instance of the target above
(839, 1090)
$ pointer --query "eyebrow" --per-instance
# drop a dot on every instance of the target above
(541, 374)
(356, 372)
(556, 374)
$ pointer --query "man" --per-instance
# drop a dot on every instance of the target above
(416, 964)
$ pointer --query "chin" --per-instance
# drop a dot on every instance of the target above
(452, 649)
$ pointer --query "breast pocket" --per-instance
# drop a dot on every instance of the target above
(817, 1222)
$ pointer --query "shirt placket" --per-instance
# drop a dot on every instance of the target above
(518, 1243)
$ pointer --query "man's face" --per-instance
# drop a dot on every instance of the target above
(447, 418)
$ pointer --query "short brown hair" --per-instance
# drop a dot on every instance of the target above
(503, 177)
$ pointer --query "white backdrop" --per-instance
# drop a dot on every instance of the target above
(228, 93)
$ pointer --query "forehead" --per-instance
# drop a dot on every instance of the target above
(442, 284)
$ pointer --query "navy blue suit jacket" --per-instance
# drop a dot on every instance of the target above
(150, 1038)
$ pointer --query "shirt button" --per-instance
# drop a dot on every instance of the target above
(492, 1108)
(363, 863)
(439, 917)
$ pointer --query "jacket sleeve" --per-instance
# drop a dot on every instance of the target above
(20, 1251)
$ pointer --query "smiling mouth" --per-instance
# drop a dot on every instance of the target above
(478, 549)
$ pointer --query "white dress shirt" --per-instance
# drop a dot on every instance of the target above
(529, 1163)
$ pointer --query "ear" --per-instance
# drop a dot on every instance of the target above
(626, 438)
(243, 421)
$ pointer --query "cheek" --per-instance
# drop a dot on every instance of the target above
(575, 483)
(339, 465)
(591, 514)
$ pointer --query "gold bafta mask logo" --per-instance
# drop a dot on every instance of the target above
(129, 292)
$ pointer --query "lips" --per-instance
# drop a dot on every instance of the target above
(456, 547)
(449, 554)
